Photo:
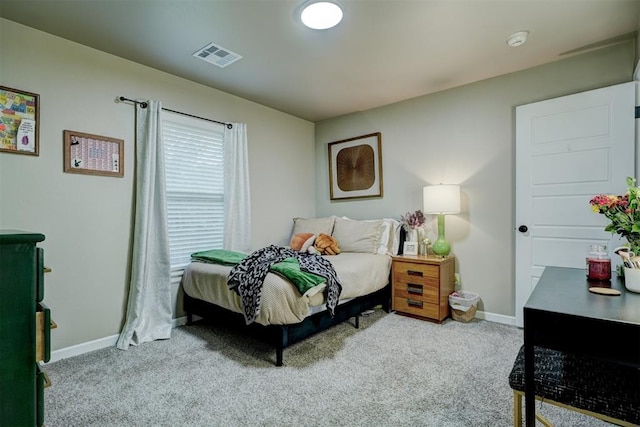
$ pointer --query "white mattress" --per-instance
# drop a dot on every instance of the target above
(359, 274)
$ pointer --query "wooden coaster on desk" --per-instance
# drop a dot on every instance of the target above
(604, 291)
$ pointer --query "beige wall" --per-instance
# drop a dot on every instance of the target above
(638, 43)
(87, 219)
(465, 136)
(637, 58)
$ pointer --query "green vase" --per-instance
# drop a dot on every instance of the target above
(441, 247)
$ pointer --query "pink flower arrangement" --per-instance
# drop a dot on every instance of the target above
(412, 220)
(623, 212)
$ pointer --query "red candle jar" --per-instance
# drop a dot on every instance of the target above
(598, 263)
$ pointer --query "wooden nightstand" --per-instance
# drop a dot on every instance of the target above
(421, 285)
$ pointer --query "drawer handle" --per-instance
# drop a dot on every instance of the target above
(413, 303)
(414, 273)
(47, 380)
(415, 289)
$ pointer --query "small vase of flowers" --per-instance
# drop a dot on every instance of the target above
(412, 223)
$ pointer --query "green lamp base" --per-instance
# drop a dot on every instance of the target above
(441, 247)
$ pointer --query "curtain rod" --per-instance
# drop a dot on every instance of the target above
(144, 105)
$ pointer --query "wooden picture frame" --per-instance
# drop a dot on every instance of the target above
(89, 154)
(410, 248)
(355, 167)
(19, 121)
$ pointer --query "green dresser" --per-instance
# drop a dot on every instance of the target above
(24, 329)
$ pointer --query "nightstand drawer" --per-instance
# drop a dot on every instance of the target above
(416, 273)
(416, 307)
(417, 291)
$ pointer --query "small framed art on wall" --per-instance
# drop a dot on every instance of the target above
(19, 121)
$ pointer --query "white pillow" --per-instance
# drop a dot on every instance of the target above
(359, 236)
(313, 225)
(389, 242)
(382, 246)
(394, 236)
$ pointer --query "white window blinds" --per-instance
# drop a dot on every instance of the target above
(194, 167)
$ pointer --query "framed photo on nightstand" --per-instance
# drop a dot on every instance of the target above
(410, 248)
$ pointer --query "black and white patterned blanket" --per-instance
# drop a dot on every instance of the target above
(247, 277)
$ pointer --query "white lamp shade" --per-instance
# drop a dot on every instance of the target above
(441, 199)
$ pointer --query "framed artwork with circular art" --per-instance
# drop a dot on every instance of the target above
(355, 167)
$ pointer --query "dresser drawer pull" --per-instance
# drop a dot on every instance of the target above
(414, 273)
(412, 288)
(43, 333)
(413, 303)
(47, 380)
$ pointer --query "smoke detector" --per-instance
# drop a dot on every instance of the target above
(517, 39)
(217, 55)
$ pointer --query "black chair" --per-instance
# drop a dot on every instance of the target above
(606, 391)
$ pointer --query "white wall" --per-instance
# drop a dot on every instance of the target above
(465, 136)
(87, 220)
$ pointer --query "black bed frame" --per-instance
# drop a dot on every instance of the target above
(282, 336)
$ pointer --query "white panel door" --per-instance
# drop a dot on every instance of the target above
(568, 149)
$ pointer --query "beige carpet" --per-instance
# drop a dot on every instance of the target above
(393, 371)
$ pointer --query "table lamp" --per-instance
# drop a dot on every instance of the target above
(441, 199)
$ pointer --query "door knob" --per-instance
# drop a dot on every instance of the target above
(523, 229)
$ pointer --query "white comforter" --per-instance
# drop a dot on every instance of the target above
(359, 274)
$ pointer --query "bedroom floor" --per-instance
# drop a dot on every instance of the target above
(393, 371)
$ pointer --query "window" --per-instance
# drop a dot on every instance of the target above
(194, 160)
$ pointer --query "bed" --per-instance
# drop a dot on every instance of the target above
(287, 314)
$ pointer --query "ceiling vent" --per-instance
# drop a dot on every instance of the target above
(217, 55)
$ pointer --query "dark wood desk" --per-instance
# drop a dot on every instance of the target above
(563, 315)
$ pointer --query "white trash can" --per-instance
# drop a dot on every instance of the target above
(463, 305)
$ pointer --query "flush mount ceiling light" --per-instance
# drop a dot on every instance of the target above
(321, 15)
(517, 39)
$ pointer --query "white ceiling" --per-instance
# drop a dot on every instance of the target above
(383, 51)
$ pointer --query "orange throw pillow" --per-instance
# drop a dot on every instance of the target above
(302, 241)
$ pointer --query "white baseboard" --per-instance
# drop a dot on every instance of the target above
(76, 350)
(110, 341)
(498, 318)
(85, 347)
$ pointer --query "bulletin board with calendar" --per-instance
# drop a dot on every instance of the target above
(89, 154)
